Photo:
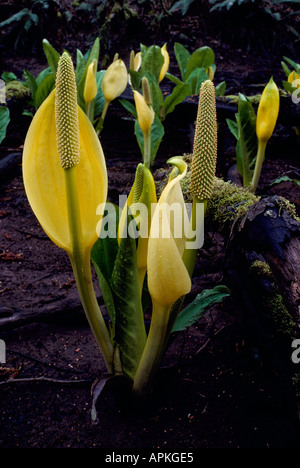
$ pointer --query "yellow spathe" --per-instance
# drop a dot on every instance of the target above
(44, 178)
(168, 278)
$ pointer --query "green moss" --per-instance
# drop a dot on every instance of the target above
(274, 308)
(17, 90)
(289, 207)
(261, 268)
(227, 203)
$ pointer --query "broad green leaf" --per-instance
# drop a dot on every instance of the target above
(104, 254)
(233, 127)
(152, 61)
(157, 133)
(203, 57)
(94, 54)
(296, 66)
(80, 65)
(8, 76)
(51, 54)
(130, 333)
(41, 76)
(179, 93)
(44, 89)
(182, 56)
(182, 6)
(16, 17)
(129, 106)
(247, 137)
(136, 80)
(220, 89)
(30, 82)
(157, 99)
(195, 80)
(286, 69)
(4, 121)
(99, 99)
(174, 79)
(194, 311)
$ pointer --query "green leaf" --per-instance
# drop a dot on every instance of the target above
(4, 121)
(157, 99)
(30, 82)
(52, 55)
(174, 79)
(41, 76)
(152, 61)
(247, 137)
(179, 93)
(182, 56)
(8, 76)
(157, 133)
(129, 106)
(182, 6)
(194, 311)
(80, 65)
(203, 57)
(195, 80)
(130, 333)
(233, 127)
(94, 54)
(16, 17)
(44, 89)
(286, 69)
(220, 89)
(104, 254)
(296, 66)
(99, 99)
(136, 80)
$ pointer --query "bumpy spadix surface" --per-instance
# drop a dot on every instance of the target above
(205, 144)
(43, 173)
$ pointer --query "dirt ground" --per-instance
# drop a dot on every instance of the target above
(215, 388)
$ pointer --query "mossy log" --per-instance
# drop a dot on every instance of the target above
(263, 269)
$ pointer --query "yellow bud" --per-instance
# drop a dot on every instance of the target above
(210, 73)
(267, 112)
(166, 63)
(90, 86)
(115, 80)
(292, 77)
(144, 111)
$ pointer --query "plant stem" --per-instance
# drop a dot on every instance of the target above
(147, 148)
(80, 260)
(258, 165)
(153, 351)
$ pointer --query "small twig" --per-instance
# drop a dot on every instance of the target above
(44, 379)
(208, 340)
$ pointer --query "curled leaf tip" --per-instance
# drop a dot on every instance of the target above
(66, 113)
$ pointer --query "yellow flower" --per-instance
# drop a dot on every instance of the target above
(140, 200)
(44, 181)
(267, 112)
(90, 85)
(145, 112)
(65, 179)
(168, 278)
(114, 80)
(166, 63)
(292, 77)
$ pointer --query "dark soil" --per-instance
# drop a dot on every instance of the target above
(215, 388)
